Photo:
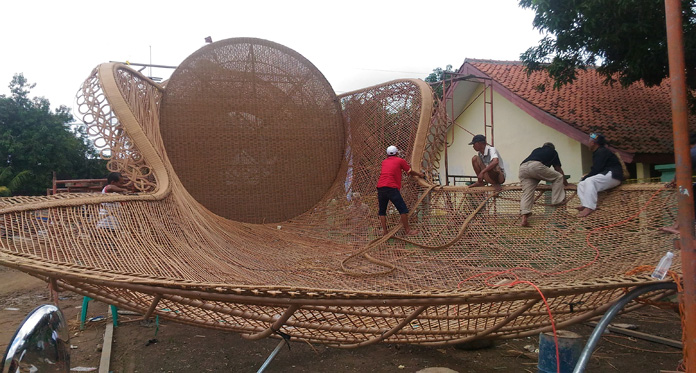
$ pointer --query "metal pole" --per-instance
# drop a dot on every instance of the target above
(490, 84)
(445, 95)
(144, 64)
(272, 355)
(611, 313)
(446, 146)
(677, 74)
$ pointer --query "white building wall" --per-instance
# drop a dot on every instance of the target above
(516, 134)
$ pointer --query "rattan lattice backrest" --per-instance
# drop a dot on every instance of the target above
(252, 129)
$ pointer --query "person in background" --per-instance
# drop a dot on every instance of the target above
(389, 188)
(115, 183)
(606, 173)
(536, 168)
(487, 164)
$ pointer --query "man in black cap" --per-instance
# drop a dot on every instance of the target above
(606, 173)
(536, 168)
(487, 164)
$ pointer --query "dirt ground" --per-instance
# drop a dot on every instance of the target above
(171, 347)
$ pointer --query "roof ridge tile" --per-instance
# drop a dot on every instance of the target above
(623, 114)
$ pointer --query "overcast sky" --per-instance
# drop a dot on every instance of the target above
(355, 44)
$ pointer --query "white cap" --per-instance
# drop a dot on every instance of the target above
(669, 254)
(392, 150)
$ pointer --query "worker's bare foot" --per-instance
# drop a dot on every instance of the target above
(412, 232)
(585, 212)
(525, 222)
(497, 187)
(476, 184)
(673, 230)
(580, 208)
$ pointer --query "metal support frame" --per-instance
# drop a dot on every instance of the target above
(448, 99)
(488, 111)
(611, 313)
(83, 313)
(284, 339)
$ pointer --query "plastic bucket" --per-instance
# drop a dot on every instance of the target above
(569, 349)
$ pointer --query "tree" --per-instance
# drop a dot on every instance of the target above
(439, 75)
(38, 141)
(627, 38)
(11, 182)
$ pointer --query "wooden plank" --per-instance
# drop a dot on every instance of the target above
(106, 346)
(644, 336)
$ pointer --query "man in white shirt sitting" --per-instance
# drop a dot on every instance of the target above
(487, 164)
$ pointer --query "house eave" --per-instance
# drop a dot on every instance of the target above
(537, 113)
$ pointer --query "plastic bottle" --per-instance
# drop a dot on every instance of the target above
(662, 268)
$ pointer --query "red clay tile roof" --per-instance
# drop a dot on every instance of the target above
(636, 119)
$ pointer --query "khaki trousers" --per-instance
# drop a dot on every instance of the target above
(494, 176)
(531, 173)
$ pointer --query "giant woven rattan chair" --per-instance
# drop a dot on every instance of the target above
(247, 218)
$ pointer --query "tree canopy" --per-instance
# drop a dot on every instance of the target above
(34, 142)
(439, 75)
(625, 39)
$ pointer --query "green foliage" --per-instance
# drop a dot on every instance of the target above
(440, 76)
(37, 141)
(626, 38)
(11, 182)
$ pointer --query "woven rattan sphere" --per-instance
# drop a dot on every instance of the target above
(252, 129)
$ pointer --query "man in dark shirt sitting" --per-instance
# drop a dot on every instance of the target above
(536, 168)
(606, 173)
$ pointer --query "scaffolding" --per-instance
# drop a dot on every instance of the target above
(449, 85)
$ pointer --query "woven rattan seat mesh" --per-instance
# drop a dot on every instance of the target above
(328, 275)
(241, 119)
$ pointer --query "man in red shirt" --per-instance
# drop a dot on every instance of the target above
(389, 185)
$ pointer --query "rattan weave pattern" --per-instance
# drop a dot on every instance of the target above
(327, 275)
(108, 132)
(217, 106)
